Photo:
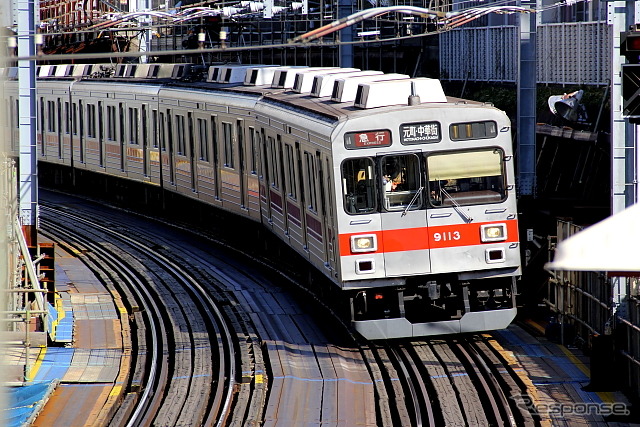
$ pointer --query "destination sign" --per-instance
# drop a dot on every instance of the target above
(420, 133)
(369, 139)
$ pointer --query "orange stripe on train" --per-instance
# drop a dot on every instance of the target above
(435, 237)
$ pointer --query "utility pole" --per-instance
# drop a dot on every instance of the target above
(28, 166)
(527, 80)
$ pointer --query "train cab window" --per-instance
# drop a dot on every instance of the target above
(466, 178)
(359, 186)
(401, 184)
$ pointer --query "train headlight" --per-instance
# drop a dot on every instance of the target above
(364, 243)
(493, 232)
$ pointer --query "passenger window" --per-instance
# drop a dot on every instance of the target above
(401, 184)
(358, 185)
(466, 178)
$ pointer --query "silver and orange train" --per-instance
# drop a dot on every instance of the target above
(401, 196)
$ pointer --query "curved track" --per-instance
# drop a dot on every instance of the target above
(294, 363)
(177, 366)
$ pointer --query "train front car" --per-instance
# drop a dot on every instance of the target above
(428, 230)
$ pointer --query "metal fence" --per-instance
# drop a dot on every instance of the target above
(583, 302)
(567, 53)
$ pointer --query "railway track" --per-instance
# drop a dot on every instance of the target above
(179, 327)
(253, 353)
(459, 381)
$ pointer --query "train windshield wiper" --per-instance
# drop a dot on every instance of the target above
(415, 196)
(456, 205)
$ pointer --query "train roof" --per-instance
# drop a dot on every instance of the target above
(379, 92)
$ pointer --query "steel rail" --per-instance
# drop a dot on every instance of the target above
(499, 404)
(221, 404)
(150, 311)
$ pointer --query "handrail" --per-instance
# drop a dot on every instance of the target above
(31, 270)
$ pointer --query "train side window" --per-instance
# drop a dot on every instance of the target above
(111, 122)
(203, 135)
(358, 185)
(100, 134)
(401, 184)
(473, 130)
(91, 120)
(133, 126)
(466, 178)
(180, 134)
(123, 151)
(145, 130)
(214, 139)
(41, 126)
(290, 172)
(240, 142)
(310, 180)
(51, 116)
(161, 134)
(14, 118)
(190, 135)
(154, 127)
(227, 137)
(81, 148)
(273, 163)
(74, 118)
(254, 151)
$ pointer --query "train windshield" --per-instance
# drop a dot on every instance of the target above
(397, 181)
(401, 182)
(466, 178)
(358, 185)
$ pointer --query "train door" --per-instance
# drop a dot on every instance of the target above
(327, 204)
(241, 163)
(404, 223)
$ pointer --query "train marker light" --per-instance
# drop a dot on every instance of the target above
(364, 243)
(378, 296)
(493, 232)
(630, 45)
